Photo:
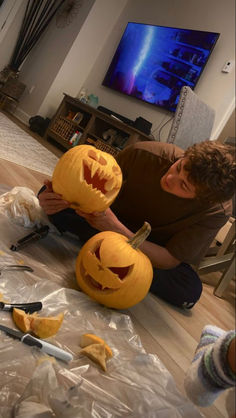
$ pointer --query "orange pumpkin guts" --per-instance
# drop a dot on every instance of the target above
(88, 178)
(42, 327)
(113, 271)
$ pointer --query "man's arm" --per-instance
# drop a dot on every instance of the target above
(107, 221)
(52, 203)
(159, 256)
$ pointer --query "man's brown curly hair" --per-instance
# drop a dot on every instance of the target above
(211, 169)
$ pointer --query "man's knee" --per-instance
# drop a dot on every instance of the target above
(180, 286)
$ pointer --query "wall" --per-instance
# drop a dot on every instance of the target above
(214, 87)
(229, 129)
(11, 15)
(87, 58)
(97, 28)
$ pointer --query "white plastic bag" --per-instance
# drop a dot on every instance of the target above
(22, 207)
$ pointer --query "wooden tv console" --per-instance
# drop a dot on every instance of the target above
(92, 124)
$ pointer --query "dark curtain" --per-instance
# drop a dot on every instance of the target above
(38, 14)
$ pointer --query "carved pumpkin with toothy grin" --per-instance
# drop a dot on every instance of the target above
(88, 178)
(113, 271)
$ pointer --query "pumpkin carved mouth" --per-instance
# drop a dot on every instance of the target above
(93, 284)
(96, 181)
(119, 274)
(95, 176)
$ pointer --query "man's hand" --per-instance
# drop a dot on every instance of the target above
(51, 202)
(102, 221)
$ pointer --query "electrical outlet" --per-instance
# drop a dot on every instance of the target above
(227, 67)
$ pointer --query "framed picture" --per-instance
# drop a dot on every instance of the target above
(78, 117)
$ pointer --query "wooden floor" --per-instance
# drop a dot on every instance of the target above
(169, 332)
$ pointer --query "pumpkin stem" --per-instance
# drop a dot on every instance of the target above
(140, 236)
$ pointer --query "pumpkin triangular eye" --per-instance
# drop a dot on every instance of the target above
(102, 160)
(120, 271)
(95, 156)
(97, 253)
(92, 154)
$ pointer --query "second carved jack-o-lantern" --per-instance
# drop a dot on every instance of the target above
(88, 178)
(113, 271)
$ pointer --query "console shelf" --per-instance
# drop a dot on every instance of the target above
(92, 124)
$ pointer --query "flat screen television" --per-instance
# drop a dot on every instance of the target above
(152, 63)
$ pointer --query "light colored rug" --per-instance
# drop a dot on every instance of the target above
(19, 147)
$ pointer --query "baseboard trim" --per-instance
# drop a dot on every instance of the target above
(21, 115)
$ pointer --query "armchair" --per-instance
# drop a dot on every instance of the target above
(193, 120)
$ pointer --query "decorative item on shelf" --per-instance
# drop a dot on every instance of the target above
(83, 95)
(77, 139)
(74, 139)
(93, 100)
(112, 137)
(78, 117)
(109, 136)
(70, 115)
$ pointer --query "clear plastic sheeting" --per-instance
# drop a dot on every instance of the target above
(32, 384)
(136, 383)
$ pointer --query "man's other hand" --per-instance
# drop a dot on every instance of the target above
(51, 202)
(102, 221)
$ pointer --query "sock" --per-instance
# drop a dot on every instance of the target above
(210, 373)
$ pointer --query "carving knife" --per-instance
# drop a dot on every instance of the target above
(42, 345)
(27, 307)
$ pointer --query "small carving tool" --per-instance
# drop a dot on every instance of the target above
(32, 237)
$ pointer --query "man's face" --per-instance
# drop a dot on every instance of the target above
(176, 182)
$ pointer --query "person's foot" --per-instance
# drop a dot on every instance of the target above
(210, 372)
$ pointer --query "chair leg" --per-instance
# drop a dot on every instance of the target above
(225, 279)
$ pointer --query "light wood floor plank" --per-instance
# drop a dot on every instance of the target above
(13, 175)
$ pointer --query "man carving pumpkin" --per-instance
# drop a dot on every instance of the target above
(186, 196)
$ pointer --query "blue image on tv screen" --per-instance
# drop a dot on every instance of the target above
(152, 63)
